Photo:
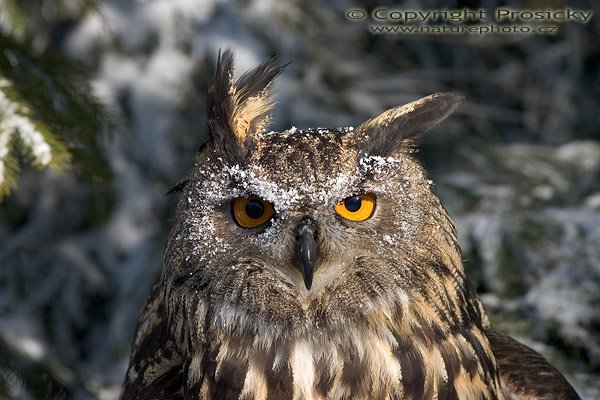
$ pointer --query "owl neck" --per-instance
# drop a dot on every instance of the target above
(412, 346)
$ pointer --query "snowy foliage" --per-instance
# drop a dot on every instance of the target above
(14, 123)
(518, 168)
(48, 117)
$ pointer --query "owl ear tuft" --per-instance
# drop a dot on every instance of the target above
(402, 126)
(239, 110)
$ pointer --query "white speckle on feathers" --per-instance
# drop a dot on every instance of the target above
(219, 185)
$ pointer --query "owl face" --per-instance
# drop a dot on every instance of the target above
(288, 227)
(303, 178)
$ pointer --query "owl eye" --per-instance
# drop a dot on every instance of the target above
(251, 212)
(359, 207)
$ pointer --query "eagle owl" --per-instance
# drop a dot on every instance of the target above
(319, 264)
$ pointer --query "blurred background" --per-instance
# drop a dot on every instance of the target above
(102, 108)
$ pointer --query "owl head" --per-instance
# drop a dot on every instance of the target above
(317, 225)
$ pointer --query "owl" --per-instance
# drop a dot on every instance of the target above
(319, 264)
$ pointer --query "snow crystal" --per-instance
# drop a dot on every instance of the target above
(5, 136)
(593, 200)
(31, 347)
(376, 164)
(33, 139)
(94, 29)
(24, 336)
(584, 153)
(133, 374)
(253, 180)
(388, 239)
(557, 301)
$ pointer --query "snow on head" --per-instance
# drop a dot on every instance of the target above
(314, 190)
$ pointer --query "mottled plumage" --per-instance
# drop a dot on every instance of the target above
(315, 303)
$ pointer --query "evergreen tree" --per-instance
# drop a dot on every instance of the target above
(48, 116)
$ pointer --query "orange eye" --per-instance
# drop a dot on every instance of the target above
(251, 212)
(359, 207)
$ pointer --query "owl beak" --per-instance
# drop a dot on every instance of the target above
(308, 252)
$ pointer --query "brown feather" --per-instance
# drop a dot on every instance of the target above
(239, 110)
(400, 127)
(525, 374)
